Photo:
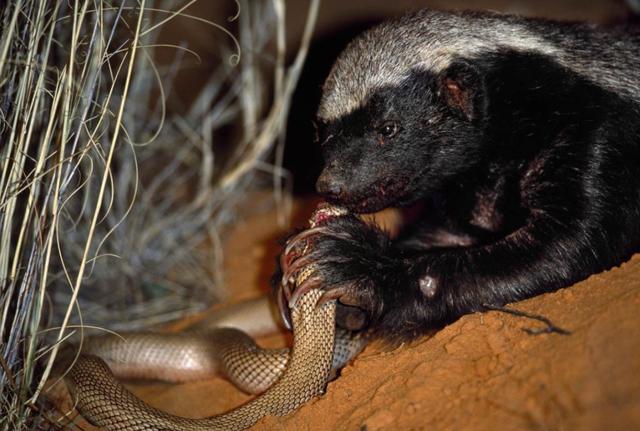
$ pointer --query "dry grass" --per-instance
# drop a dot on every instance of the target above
(111, 205)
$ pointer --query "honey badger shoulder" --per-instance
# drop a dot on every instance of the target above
(430, 40)
(519, 139)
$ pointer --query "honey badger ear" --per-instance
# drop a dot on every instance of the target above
(462, 88)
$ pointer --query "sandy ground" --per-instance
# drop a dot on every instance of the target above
(481, 373)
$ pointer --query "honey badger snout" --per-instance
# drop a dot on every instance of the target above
(331, 185)
(358, 180)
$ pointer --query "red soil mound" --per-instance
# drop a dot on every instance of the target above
(481, 373)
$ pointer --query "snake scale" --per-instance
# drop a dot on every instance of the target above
(290, 378)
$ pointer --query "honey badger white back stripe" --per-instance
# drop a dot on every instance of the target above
(430, 41)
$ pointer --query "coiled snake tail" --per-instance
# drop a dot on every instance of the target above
(292, 379)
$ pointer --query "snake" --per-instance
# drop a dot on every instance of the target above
(285, 379)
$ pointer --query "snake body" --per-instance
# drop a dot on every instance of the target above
(286, 379)
(289, 378)
(108, 404)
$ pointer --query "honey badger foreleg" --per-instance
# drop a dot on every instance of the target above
(404, 293)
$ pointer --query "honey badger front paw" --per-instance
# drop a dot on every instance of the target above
(346, 259)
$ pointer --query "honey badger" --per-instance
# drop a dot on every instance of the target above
(513, 143)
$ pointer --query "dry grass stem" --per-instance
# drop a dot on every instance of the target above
(114, 189)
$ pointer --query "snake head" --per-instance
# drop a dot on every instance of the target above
(325, 212)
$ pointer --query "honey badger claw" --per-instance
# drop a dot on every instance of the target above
(297, 263)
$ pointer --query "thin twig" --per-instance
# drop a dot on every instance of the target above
(8, 373)
(550, 326)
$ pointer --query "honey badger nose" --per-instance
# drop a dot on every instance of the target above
(329, 186)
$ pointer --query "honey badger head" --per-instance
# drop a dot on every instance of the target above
(404, 106)
(404, 141)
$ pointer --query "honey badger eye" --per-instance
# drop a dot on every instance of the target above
(388, 129)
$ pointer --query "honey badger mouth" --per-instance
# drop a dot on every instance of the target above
(384, 194)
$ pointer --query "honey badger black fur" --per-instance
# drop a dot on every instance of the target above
(518, 138)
